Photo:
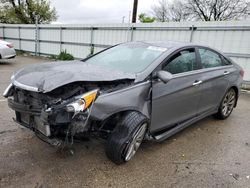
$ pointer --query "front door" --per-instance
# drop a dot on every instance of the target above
(177, 100)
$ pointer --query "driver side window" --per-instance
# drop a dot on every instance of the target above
(183, 61)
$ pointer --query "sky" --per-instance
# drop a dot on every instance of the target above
(97, 11)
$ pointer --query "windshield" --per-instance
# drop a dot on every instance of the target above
(130, 57)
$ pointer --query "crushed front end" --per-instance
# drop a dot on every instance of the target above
(55, 117)
(76, 110)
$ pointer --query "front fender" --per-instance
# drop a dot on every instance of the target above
(134, 97)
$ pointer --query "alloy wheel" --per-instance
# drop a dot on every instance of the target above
(228, 103)
(136, 142)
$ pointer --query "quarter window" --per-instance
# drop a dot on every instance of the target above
(225, 61)
(209, 59)
(183, 61)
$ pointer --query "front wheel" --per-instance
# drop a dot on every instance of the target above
(227, 105)
(126, 137)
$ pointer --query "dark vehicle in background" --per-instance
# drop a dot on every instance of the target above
(125, 94)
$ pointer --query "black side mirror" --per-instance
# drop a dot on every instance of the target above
(164, 76)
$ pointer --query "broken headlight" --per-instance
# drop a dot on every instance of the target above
(82, 102)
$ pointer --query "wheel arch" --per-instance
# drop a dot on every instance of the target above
(112, 121)
(236, 89)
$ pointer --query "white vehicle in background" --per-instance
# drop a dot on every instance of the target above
(7, 50)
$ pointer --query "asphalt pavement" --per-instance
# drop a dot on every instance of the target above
(210, 153)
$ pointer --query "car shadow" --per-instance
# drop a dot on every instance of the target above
(4, 62)
(192, 129)
(88, 144)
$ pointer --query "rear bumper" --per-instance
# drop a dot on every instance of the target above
(8, 53)
(11, 57)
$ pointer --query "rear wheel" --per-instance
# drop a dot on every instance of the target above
(127, 137)
(227, 105)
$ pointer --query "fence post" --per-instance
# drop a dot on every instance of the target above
(128, 29)
(3, 33)
(191, 34)
(36, 36)
(19, 38)
(38, 40)
(60, 39)
(92, 47)
(132, 33)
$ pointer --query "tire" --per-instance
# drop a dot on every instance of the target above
(227, 104)
(122, 140)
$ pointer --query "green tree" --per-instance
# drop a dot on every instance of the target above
(146, 19)
(26, 11)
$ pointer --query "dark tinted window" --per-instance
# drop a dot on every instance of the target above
(226, 61)
(209, 58)
(183, 61)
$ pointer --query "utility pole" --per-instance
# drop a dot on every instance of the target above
(135, 11)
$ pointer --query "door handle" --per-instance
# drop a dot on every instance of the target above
(226, 73)
(197, 82)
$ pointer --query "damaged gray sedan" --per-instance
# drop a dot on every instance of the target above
(125, 94)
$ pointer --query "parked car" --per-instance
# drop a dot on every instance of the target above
(125, 94)
(7, 50)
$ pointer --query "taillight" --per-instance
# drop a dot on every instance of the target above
(241, 73)
(10, 45)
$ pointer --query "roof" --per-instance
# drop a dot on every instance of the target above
(166, 44)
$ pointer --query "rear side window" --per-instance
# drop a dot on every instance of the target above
(183, 61)
(209, 58)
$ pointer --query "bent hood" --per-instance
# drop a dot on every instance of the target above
(48, 76)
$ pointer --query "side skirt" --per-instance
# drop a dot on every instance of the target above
(180, 127)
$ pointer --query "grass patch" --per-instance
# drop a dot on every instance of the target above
(65, 56)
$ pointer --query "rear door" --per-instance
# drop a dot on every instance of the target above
(177, 100)
(216, 72)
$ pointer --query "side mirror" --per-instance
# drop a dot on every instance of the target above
(164, 76)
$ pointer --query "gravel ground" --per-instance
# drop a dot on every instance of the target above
(210, 153)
